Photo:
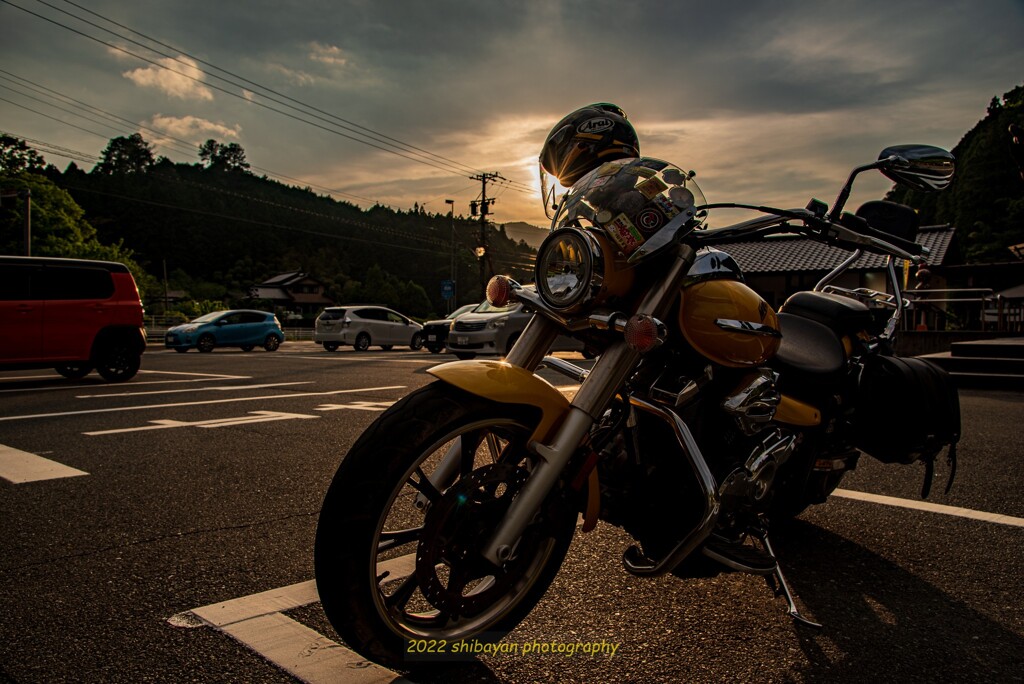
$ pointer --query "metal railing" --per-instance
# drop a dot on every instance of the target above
(971, 309)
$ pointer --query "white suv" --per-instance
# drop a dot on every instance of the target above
(361, 326)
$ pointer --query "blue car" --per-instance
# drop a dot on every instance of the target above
(240, 328)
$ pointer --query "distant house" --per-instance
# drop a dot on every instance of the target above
(780, 265)
(293, 293)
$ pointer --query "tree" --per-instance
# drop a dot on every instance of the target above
(230, 157)
(17, 156)
(124, 155)
(985, 201)
(59, 227)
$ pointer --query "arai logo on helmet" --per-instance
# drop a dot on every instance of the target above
(595, 125)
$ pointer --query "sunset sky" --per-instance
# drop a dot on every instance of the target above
(400, 102)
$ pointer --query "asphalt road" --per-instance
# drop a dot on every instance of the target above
(198, 485)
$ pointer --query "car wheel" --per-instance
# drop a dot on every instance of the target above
(181, 350)
(118, 361)
(465, 356)
(206, 343)
(331, 346)
(417, 342)
(434, 348)
(74, 371)
(362, 342)
(271, 343)
(248, 347)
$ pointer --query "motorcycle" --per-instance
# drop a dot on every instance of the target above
(706, 417)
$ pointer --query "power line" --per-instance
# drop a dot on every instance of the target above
(419, 157)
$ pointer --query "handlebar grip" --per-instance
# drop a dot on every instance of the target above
(860, 225)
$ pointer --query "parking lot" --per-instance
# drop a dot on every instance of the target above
(162, 529)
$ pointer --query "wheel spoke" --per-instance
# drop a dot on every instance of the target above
(400, 597)
(425, 487)
(391, 540)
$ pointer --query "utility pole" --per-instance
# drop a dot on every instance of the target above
(454, 299)
(483, 203)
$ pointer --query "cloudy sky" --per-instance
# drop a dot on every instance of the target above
(402, 101)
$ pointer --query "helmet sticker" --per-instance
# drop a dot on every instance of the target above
(596, 125)
(641, 171)
(674, 177)
(625, 234)
(682, 198)
(652, 188)
(655, 164)
(649, 221)
(667, 207)
(608, 168)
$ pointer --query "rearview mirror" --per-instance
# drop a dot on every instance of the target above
(921, 167)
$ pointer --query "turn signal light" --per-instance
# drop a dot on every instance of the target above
(499, 291)
(643, 333)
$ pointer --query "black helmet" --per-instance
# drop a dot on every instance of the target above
(585, 139)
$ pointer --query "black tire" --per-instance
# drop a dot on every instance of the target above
(371, 504)
(362, 342)
(331, 346)
(248, 347)
(434, 348)
(464, 356)
(74, 371)
(206, 343)
(417, 342)
(272, 343)
(118, 361)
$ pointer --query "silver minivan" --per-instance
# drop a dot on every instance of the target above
(362, 326)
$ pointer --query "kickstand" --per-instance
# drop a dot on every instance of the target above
(777, 583)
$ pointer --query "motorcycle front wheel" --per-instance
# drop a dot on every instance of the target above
(397, 552)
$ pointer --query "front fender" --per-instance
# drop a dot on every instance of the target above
(501, 381)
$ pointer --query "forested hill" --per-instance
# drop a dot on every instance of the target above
(216, 231)
(986, 199)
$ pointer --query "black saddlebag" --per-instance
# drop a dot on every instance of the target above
(908, 409)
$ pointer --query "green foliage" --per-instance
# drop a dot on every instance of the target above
(230, 157)
(125, 155)
(16, 156)
(986, 199)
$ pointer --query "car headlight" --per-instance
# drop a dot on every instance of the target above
(498, 323)
(190, 329)
(570, 268)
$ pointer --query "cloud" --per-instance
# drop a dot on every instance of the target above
(189, 128)
(327, 54)
(300, 78)
(180, 78)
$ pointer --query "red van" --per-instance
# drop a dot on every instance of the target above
(71, 315)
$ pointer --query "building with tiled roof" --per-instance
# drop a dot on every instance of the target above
(779, 265)
(295, 292)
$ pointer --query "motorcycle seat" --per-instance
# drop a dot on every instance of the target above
(808, 347)
(843, 315)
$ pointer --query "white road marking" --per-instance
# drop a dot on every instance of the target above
(371, 358)
(253, 417)
(18, 466)
(225, 388)
(258, 622)
(931, 507)
(147, 407)
(194, 377)
(356, 405)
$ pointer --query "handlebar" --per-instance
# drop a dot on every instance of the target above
(851, 231)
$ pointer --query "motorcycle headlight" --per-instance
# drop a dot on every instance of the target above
(570, 269)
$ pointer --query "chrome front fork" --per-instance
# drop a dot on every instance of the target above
(608, 375)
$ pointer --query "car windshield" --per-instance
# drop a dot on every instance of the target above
(206, 318)
(461, 310)
(487, 307)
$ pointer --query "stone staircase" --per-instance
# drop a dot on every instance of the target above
(985, 364)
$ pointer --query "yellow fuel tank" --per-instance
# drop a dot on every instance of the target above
(728, 323)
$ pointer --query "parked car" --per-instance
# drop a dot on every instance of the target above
(243, 328)
(489, 329)
(361, 326)
(72, 315)
(435, 333)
